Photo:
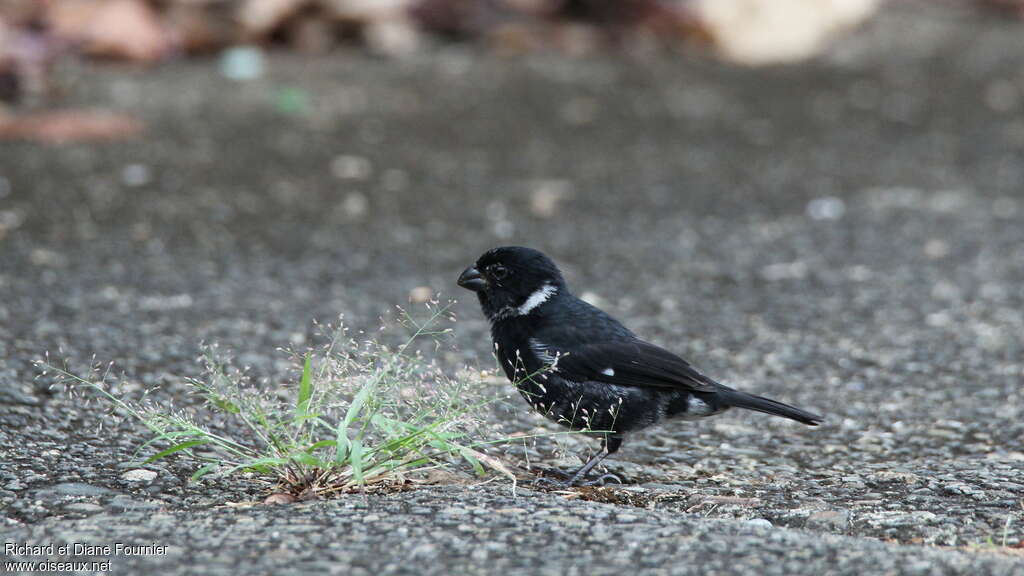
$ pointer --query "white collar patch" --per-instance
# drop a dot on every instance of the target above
(540, 296)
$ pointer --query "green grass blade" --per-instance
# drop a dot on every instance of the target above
(306, 459)
(175, 448)
(257, 464)
(224, 404)
(202, 471)
(341, 445)
(468, 456)
(344, 446)
(321, 444)
(305, 389)
(355, 460)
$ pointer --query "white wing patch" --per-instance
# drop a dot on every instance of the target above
(538, 297)
(608, 372)
(697, 407)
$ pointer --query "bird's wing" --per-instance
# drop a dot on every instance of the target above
(630, 362)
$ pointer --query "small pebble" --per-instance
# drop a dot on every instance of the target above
(139, 475)
(349, 167)
(828, 520)
(84, 507)
(826, 208)
(242, 63)
(355, 205)
(136, 175)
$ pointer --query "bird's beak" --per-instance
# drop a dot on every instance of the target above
(471, 279)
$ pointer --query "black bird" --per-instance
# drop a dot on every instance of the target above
(582, 368)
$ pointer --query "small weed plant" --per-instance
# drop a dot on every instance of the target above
(361, 413)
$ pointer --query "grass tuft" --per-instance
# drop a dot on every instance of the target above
(361, 413)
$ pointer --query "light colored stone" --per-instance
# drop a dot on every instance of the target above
(139, 475)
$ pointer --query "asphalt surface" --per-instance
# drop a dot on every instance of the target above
(844, 235)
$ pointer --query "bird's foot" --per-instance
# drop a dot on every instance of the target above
(602, 480)
(553, 472)
(569, 480)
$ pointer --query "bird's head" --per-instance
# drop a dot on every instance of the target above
(512, 281)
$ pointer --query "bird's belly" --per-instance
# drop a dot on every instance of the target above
(596, 406)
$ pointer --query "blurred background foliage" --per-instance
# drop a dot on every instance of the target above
(36, 35)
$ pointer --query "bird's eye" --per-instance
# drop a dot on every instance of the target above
(499, 272)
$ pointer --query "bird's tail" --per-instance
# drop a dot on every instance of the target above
(768, 406)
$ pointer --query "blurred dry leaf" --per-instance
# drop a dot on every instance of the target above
(119, 29)
(6, 39)
(22, 12)
(757, 32)
(311, 34)
(195, 27)
(534, 7)
(10, 84)
(10, 78)
(576, 39)
(746, 31)
(365, 11)
(68, 18)
(463, 18)
(1013, 7)
(69, 126)
(514, 38)
(386, 26)
(279, 498)
(26, 57)
(261, 17)
(392, 37)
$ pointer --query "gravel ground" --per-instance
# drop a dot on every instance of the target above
(845, 236)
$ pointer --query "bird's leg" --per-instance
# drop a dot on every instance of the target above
(608, 446)
(586, 468)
